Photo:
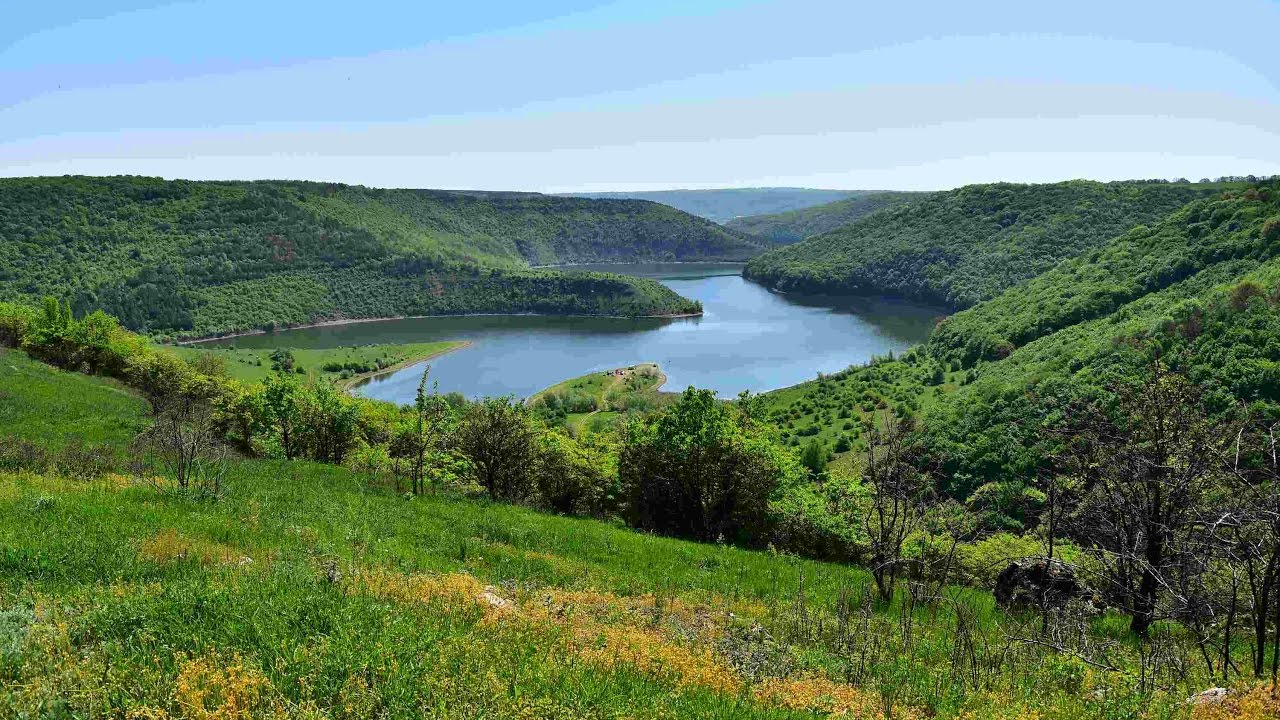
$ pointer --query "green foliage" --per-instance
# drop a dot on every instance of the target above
(795, 225)
(501, 440)
(1203, 235)
(698, 470)
(202, 258)
(963, 246)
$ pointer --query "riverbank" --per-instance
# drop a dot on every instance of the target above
(357, 380)
(598, 400)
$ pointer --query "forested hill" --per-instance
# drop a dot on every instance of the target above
(795, 225)
(1222, 236)
(963, 246)
(1200, 291)
(723, 205)
(210, 257)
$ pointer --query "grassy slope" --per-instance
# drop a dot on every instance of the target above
(50, 407)
(967, 245)
(212, 257)
(254, 364)
(301, 593)
(796, 225)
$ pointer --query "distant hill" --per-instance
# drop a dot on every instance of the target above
(796, 225)
(963, 246)
(211, 257)
(726, 204)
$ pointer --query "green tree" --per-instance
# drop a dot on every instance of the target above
(497, 435)
(328, 421)
(280, 401)
(698, 470)
(814, 457)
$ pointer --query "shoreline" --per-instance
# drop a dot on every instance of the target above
(352, 382)
(352, 321)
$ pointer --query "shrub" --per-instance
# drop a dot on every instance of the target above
(697, 470)
(498, 437)
(15, 321)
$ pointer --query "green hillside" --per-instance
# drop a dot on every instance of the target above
(724, 204)
(1199, 289)
(967, 245)
(795, 225)
(198, 258)
(1198, 237)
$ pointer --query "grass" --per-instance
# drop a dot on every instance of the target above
(254, 364)
(43, 405)
(303, 592)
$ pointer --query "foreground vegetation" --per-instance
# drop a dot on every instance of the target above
(963, 246)
(202, 258)
(311, 590)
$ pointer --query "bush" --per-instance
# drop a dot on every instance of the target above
(15, 321)
(569, 480)
(696, 470)
(498, 437)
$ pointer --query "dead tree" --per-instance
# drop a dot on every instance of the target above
(899, 496)
(183, 443)
(1144, 472)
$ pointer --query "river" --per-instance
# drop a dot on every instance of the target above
(747, 339)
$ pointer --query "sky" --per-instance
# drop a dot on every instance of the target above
(583, 95)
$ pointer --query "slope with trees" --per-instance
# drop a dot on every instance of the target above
(199, 258)
(795, 225)
(963, 246)
(208, 574)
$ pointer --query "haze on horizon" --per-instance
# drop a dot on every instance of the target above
(581, 95)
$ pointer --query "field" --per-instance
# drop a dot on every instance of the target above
(345, 364)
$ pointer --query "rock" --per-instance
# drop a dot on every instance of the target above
(491, 597)
(1027, 584)
(1212, 696)
(332, 573)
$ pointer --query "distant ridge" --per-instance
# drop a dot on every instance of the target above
(796, 225)
(723, 205)
(963, 246)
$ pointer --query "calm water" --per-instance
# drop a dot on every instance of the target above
(748, 339)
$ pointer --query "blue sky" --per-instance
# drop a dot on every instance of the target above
(566, 95)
